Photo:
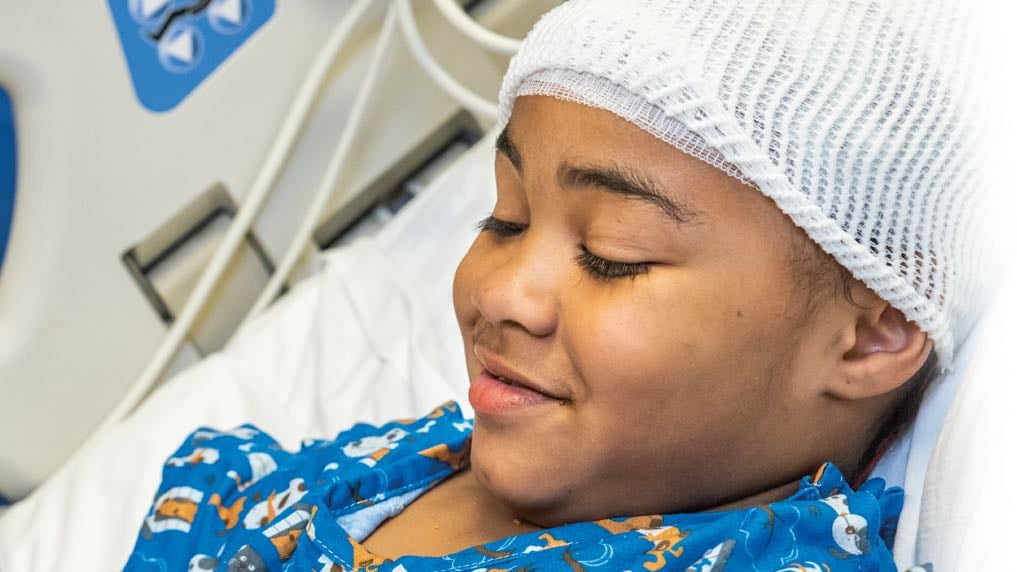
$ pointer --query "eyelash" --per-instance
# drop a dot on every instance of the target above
(500, 228)
(595, 266)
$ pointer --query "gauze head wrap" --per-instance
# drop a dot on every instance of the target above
(851, 115)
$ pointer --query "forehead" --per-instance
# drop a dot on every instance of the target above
(547, 132)
(573, 130)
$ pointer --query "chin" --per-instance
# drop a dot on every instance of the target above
(534, 490)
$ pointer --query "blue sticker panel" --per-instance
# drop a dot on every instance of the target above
(8, 169)
(171, 46)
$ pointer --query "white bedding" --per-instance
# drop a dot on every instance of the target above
(966, 516)
(370, 337)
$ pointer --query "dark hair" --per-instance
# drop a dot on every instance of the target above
(819, 274)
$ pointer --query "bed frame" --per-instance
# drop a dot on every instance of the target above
(142, 238)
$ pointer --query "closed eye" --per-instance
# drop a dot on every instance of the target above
(500, 228)
(596, 266)
(604, 269)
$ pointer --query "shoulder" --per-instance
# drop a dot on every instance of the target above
(225, 486)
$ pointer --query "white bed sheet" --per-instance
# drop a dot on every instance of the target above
(370, 337)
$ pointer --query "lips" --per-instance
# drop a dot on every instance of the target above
(500, 390)
(512, 382)
(490, 395)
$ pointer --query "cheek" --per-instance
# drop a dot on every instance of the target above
(677, 363)
(632, 338)
(688, 337)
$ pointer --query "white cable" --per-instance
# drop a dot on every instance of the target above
(455, 14)
(399, 10)
(235, 235)
(470, 100)
(333, 171)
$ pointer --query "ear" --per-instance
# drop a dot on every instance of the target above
(883, 352)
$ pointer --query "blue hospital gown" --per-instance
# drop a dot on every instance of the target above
(237, 501)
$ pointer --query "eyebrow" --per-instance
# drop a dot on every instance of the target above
(626, 183)
(505, 146)
(613, 179)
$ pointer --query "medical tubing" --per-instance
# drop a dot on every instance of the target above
(467, 98)
(332, 173)
(400, 10)
(235, 235)
(475, 103)
(462, 21)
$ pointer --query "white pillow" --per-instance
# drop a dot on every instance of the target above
(966, 516)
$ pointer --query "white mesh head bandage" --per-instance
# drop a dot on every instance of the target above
(850, 115)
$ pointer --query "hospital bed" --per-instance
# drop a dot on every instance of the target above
(369, 333)
(136, 173)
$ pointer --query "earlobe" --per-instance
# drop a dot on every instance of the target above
(887, 350)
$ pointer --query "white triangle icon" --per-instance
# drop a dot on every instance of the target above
(149, 7)
(231, 11)
(181, 46)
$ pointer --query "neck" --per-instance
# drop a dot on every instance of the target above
(767, 496)
(454, 515)
(460, 513)
(495, 514)
(494, 511)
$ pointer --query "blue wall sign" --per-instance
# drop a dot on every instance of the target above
(8, 169)
(171, 46)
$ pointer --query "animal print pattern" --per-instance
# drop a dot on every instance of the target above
(237, 501)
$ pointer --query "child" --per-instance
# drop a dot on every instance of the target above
(728, 248)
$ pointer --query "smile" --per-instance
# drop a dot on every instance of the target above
(498, 395)
(498, 389)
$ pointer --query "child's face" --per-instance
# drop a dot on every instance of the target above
(673, 379)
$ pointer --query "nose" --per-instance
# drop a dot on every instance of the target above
(520, 286)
